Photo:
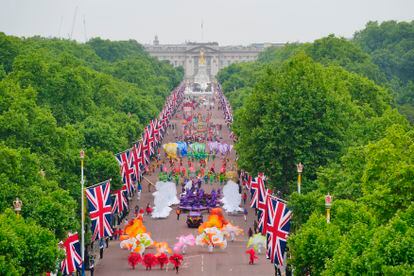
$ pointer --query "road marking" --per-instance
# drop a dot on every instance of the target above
(202, 263)
(192, 256)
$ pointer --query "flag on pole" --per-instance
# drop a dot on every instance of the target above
(120, 202)
(125, 162)
(155, 131)
(138, 160)
(150, 139)
(145, 150)
(262, 203)
(100, 209)
(73, 260)
(278, 227)
(254, 193)
(263, 215)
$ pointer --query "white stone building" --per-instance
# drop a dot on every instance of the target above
(217, 57)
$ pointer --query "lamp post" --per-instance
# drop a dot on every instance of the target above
(299, 168)
(82, 156)
(328, 204)
(17, 205)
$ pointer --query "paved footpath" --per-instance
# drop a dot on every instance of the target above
(197, 261)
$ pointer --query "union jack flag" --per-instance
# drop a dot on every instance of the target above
(145, 148)
(120, 202)
(278, 227)
(262, 203)
(100, 210)
(264, 214)
(160, 129)
(73, 260)
(148, 132)
(125, 162)
(254, 192)
(164, 122)
(155, 131)
(138, 160)
(248, 182)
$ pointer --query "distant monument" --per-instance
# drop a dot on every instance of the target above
(202, 78)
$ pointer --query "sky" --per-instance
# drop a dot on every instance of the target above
(228, 22)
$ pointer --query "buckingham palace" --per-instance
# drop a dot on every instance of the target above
(217, 57)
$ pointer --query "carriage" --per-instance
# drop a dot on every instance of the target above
(194, 219)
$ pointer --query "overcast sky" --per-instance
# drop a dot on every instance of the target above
(228, 22)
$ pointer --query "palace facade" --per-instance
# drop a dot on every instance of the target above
(216, 57)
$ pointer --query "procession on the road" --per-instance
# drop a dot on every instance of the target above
(185, 165)
(178, 138)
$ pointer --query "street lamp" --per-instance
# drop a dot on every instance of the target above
(328, 204)
(82, 157)
(299, 168)
(17, 205)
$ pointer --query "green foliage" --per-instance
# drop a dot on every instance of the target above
(383, 250)
(57, 97)
(280, 54)
(9, 49)
(302, 111)
(329, 51)
(26, 248)
(330, 104)
(391, 46)
(339, 51)
(46, 203)
(237, 80)
(313, 245)
(116, 50)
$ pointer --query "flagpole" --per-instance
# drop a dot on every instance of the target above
(97, 184)
(82, 156)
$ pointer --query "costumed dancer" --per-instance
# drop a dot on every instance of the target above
(162, 260)
(176, 260)
(133, 259)
(149, 261)
(252, 256)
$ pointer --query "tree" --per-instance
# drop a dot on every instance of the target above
(57, 97)
(293, 115)
(313, 245)
(26, 248)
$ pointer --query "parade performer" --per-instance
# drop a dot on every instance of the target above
(133, 259)
(252, 256)
(183, 242)
(162, 247)
(258, 242)
(149, 261)
(176, 260)
(136, 239)
(148, 209)
(162, 260)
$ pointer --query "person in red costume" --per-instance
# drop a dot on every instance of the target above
(162, 260)
(149, 261)
(133, 259)
(252, 254)
(176, 260)
(148, 209)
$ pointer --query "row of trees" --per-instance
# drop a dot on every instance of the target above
(330, 105)
(56, 97)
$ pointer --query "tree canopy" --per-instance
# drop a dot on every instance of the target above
(57, 97)
(335, 105)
